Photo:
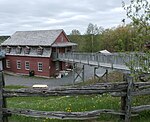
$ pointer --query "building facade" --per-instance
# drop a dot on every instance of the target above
(36, 51)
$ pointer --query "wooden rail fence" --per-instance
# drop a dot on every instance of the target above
(125, 90)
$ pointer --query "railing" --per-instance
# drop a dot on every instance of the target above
(113, 61)
(125, 90)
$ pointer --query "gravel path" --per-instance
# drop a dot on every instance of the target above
(29, 81)
(51, 82)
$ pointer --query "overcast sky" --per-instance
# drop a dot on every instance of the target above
(18, 15)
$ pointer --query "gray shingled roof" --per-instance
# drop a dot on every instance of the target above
(34, 38)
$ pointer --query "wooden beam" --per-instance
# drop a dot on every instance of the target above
(62, 115)
(140, 108)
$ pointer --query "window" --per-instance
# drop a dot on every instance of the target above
(40, 66)
(18, 64)
(7, 63)
(27, 50)
(27, 65)
(62, 39)
(40, 51)
(18, 50)
(8, 49)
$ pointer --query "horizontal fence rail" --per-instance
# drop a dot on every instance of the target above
(62, 115)
(116, 89)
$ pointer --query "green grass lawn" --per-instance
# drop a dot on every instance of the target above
(74, 103)
(65, 103)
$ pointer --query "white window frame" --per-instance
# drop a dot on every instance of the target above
(27, 67)
(18, 63)
(40, 66)
(7, 63)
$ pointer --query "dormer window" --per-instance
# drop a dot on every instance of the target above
(27, 50)
(39, 50)
(18, 50)
(8, 49)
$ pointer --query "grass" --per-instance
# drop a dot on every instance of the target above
(76, 103)
(15, 87)
(65, 103)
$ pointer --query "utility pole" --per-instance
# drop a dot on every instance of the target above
(92, 42)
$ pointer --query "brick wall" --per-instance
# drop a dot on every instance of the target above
(33, 65)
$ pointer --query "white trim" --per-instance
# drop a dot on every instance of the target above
(26, 65)
(7, 63)
(18, 64)
(28, 55)
(39, 67)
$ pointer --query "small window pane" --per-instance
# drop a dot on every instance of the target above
(7, 63)
(40, 66)
(27, 65)
(18, 64)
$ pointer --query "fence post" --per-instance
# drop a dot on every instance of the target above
(74, 68)
(2, 99)
(83, 72)
(123, 98)
(128, 99)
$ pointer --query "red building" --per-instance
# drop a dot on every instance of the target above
(36, 51)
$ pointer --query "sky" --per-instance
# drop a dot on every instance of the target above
(25, 15)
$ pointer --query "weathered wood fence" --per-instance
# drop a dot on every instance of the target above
(125, 90)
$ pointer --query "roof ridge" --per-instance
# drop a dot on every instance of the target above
(40, 30)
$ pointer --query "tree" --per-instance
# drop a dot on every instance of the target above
(76, 37)
(92, 38)
(139, 12)
(94, 29)
(75, 32)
